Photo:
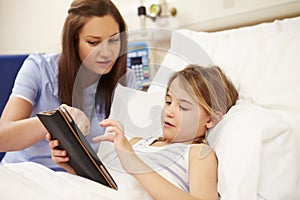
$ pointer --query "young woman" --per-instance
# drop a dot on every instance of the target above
(84, 74)
(179, 165)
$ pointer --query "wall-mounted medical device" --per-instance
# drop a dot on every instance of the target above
(138, 61)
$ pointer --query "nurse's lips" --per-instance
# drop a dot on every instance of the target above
(103, 64)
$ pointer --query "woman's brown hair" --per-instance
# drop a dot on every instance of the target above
(78, 14)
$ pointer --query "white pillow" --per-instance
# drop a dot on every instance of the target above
(263, 63)
(249, 58)
(183, 51)
(138, 111)
(289, 25)
(257, 154)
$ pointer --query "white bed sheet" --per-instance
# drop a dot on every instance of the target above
(28, 181)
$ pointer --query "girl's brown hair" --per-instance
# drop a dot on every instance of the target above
(79, 13)
(212, 89)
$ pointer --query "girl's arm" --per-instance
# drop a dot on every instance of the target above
(157, 186)
(202, 177)
(203, 172)
(17, 130)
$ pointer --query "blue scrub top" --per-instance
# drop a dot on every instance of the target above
(37, 82)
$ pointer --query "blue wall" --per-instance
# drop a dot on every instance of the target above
(9, 67)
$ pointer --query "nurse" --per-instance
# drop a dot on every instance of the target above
(92, 61)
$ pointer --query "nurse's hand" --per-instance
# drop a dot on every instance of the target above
(79, 118)
(59, 156)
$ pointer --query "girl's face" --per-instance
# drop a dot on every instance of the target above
(182, 117)
(99, 44)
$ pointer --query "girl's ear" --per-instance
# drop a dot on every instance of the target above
(214, 119)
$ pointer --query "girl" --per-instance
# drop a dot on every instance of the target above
(179, 165)
(94, 36)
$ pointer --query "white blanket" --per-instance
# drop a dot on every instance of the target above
(34, 181)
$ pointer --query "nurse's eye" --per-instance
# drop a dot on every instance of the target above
(93, 43)
(114, 40)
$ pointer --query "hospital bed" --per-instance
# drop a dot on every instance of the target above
(257, 142)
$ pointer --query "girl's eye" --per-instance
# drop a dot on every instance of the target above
(183, 108)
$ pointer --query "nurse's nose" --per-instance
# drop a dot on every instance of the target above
(104, 49)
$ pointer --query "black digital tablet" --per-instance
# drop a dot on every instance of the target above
(83, 159)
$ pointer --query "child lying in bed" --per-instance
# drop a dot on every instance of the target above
(179, 165)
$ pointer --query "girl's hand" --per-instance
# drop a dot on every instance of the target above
(115, 134)
(59, 156)
(79, 118)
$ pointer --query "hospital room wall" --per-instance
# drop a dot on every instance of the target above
(35, 25)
